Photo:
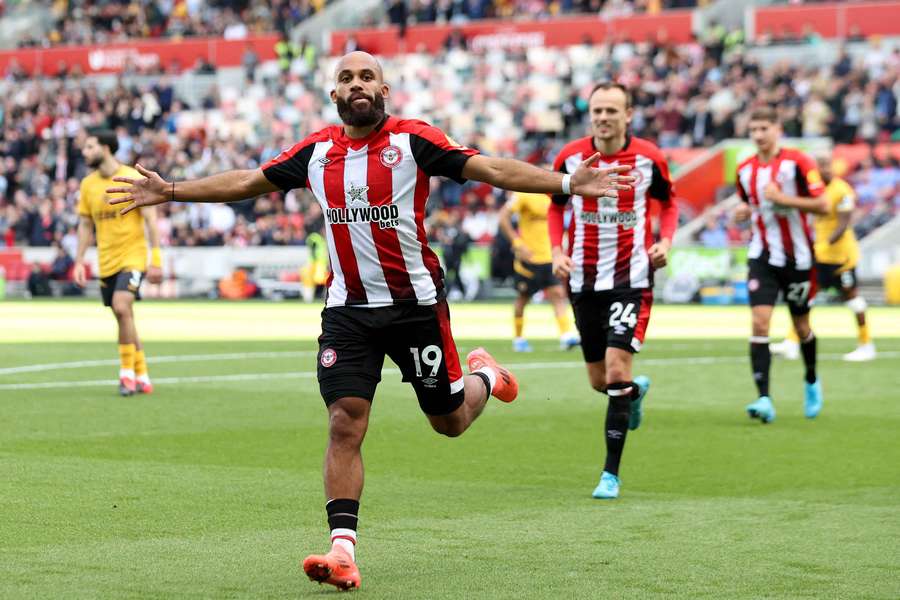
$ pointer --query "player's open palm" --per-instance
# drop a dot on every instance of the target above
(603, 182)
(149, 191)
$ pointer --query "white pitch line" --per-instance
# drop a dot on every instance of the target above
(692, 360)
(78, 364)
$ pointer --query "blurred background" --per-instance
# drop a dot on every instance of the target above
(193, 88)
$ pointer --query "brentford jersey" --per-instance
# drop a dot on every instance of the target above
(373, 192)
(609, 237)
(781, 235)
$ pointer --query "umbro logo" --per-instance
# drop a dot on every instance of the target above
(324, 160)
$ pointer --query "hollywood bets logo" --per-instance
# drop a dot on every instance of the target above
(358, 210)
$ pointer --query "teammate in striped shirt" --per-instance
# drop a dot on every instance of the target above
(386, 292)
(779, 188)
(610, 261)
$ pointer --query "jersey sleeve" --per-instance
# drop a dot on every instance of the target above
(289, 169)
(559, 164)
(847, 201)
(436, 153)
(515, 202)
(809, 180)
(84, 207)
(661, 186)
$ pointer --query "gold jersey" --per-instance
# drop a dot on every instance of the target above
(121, 241)
(845, 251)
(532, 210)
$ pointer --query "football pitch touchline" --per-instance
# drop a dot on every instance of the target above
(78, 364)
(703, 360)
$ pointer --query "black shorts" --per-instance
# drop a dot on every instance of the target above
(798, 286)
(615, 318)
(829, 277)
(355, 340)
(123, 281)
(531, 278)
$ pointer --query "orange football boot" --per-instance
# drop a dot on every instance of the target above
(506, 388)
(143, 387)
(126, 386)
(336, 568)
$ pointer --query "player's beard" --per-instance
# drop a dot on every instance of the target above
(354, 117)
(95, 162)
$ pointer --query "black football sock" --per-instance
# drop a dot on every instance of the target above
(617, 413)
(760, 361)
(808, 350)
(343, 515)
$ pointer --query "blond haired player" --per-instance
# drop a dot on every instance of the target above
(533, 265)
(122, 252)
(837, 253)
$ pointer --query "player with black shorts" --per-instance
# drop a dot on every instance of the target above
(122, 253)
(386, 292)
(610, 261)
(779, 187)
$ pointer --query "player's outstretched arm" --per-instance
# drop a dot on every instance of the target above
(518, 176)
(230, 186)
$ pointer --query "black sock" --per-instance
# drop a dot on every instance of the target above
(760, 361)
(487, 382)
(808, 350)
(617, 413)
(343, 513)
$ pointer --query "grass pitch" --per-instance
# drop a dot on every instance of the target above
(211, 488)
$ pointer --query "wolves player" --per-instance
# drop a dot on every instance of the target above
(386, 293)
(610, 262)
(779, 187)
(533, 266)
(837, 253)
(121, 250)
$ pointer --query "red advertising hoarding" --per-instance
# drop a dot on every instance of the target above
(141, 55)
(832, 20)
(671, 25)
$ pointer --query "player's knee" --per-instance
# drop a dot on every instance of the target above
(857, 304)
(346, 427)
(448, 427)
(121, 308)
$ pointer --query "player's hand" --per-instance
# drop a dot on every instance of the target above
(741, 212)
(605, 182)
(154, 275)
(773, 193)
(79, 274)
(562, 264)
(149, 191)
(659, 254)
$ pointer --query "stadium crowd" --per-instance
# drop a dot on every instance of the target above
(515, 102)
(89, 22)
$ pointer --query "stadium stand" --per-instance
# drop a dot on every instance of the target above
(506, 101)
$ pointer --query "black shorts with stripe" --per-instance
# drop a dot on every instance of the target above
(123, 281)
(531, 278)
(418, 339)
(614, 318)
(831, 276)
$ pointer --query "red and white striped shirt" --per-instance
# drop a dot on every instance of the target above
(373, 192)
(609, 237)
(781, 235)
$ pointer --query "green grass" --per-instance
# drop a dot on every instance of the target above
(211, 488)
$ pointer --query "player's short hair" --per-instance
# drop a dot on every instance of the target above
(612, 85)
(765, 113)
(105, 137)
